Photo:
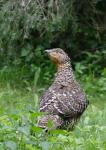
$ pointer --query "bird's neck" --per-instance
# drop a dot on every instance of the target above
(64, 73)
(61, 67)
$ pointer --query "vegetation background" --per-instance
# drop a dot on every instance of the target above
(27, 28)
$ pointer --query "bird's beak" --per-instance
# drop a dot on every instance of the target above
(47, 51)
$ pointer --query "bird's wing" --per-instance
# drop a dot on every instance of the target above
(50, 100)
(71, 100)
(47, 100)
(63, 100)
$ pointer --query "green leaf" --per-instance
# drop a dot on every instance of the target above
(10, 145)
(45, 145)
(24, 129)
(36, 129)
(24, 52)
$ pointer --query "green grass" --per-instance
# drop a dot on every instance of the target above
(19, 100)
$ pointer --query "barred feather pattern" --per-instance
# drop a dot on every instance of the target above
(64, 101)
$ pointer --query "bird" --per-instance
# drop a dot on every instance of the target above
(64, 101)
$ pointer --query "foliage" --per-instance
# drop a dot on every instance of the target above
(28, 27)
(19, 113)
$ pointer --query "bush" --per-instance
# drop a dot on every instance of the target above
(29, 27)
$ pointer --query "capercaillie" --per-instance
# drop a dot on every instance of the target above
(64, 102)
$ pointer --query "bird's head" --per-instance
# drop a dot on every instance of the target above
(58, 56)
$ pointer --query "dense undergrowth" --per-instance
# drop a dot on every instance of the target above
(30, 26)
(19, 99)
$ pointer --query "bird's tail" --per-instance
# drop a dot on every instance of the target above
(50, 122)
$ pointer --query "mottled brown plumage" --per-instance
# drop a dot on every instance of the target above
(64, 101)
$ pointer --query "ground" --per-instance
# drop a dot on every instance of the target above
(19, 112)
